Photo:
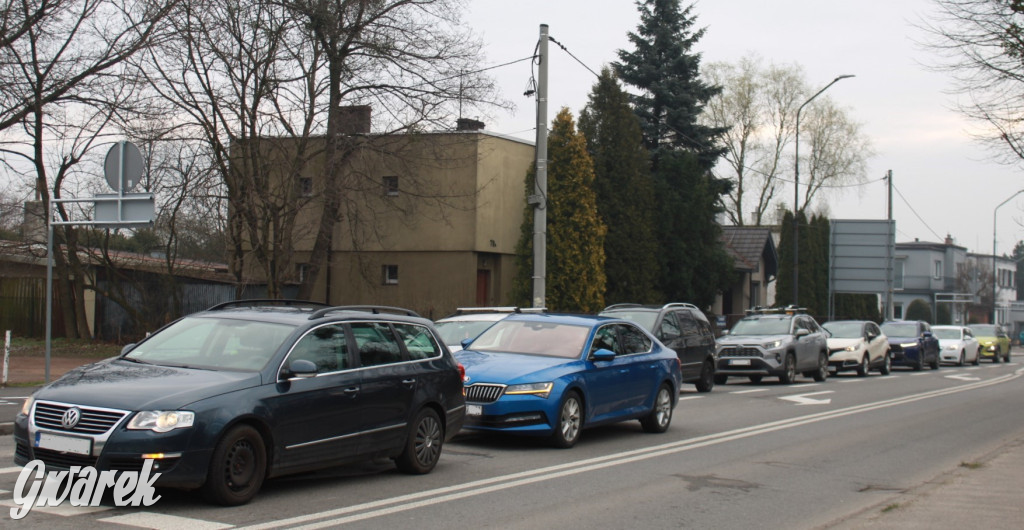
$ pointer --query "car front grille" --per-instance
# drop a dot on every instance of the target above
(484, 392)
(93, 420)
(734, 351)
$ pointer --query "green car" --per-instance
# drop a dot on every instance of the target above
(995, 343)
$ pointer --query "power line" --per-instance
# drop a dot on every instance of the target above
(566, 50)
(905, 201)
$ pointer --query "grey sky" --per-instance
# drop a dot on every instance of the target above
(947, 178)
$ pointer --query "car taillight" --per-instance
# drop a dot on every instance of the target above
(462, 372)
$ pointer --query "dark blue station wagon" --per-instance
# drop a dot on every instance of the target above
(249, 390)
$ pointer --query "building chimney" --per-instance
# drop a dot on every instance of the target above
(467, 124)
(355, 119)
(949, 240)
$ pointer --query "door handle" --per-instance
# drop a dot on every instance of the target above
(352, 390)
(409, 381)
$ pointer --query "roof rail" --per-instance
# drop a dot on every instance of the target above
(264, 302)
(496, 309)
(621, 306)
(375, 309)
(681, 304)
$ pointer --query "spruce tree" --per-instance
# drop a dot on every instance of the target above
(624, 193)
(666, 70)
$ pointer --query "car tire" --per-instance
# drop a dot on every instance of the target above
(788, 376)
(995, 358)
(237, 467)
(721, 379)
(934, 365)
(821, 374)
(963, 358)
(919, 362)
(570, 421)
(422, 444)
(658, 420)
(755, 378)
(1007, 357)
(977, 358)
(707, 377)
(863, 369)
(886, 368)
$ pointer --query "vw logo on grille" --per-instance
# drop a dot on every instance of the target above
(71, 418)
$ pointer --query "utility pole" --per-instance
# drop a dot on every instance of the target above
(539, 199)
(888, 254)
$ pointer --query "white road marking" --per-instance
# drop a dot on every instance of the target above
(383, 507)
(63, 510)
(690, 397)
(159, 521)
(963, 377)
(858, 380)
(749, 391)
(15, 469)
(803, 399)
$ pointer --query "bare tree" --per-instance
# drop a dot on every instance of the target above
(982, 45)
(264, 83)
(758, 103)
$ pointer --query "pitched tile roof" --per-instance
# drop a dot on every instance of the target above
(748, 245)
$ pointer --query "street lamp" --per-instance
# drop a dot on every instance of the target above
(796, 192)
(995, 281)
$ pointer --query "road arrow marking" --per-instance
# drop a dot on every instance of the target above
(963, 377)
(802, 399)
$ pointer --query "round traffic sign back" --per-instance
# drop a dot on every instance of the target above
(123, 166)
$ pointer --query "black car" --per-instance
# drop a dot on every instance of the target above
(681, 327)
(249, 390)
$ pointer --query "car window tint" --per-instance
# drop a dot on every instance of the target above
(687, 323)
(669, 326)
(377, 344)
(633, 340)
(605, 338)
(419, 342)
(325, 346)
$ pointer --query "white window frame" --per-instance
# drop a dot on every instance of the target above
(389, 274)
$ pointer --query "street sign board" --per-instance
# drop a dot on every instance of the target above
(123, 166)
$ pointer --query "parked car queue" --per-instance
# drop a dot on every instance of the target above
(249, 390)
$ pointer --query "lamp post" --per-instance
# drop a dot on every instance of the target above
(796, 192)
(995, 280)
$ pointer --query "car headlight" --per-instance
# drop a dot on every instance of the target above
(908, 345)
(952, 346)
(26, 407)
(162, 420)
(771, 345)
(537, 389)
(850, 348)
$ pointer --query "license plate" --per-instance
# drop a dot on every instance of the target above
(739, 362)
(474, 410)
(63, 444)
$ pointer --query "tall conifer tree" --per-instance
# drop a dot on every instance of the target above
(624, 192)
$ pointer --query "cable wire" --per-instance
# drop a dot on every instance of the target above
(905, 201)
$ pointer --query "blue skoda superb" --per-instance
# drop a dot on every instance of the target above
(554, 375)
(248, 390)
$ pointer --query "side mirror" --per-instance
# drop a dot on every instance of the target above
(466, 342)
(127, 348)
(302, 368)
(603, 354)
(725, 332)
(927, 334)
(802, 333)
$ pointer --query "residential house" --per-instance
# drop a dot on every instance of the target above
(927, 272)
(756, 262)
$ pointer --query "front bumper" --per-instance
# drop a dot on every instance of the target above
(749, 360)
(120, 449)
(949, 356)
(518, 414)
(906, 356)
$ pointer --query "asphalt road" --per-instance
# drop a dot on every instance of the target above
(744, 456)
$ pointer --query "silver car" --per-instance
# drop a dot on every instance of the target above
(774, 345)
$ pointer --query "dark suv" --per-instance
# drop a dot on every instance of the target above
(681, 327)
(222, 399)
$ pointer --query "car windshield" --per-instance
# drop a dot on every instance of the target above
(213, 343)
(762, 326)
(643, 318)
(947, 333)
(984, 330)
(533, 338)
(900, 329)
(844, 330)
(454, 332)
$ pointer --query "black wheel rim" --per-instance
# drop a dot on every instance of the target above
(240, 465)
(428, 441)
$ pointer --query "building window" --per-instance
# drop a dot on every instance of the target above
(897, 275)
(755, 294)
(897, 310)
(301, 272)
(390, 274)
(938, 269)
(391, 186)
(305, 187)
